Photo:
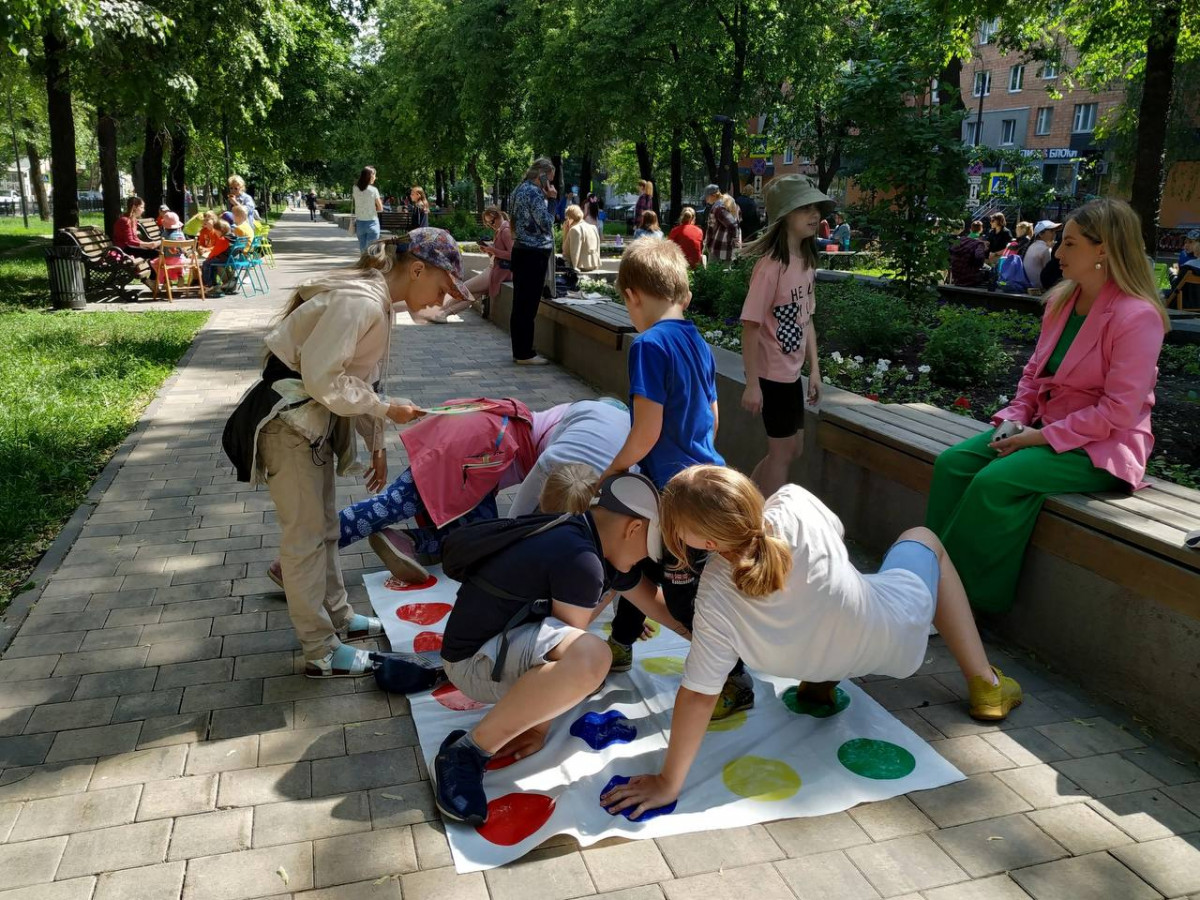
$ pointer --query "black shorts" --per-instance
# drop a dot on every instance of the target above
(782, 407)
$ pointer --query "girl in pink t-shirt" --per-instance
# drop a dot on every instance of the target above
(778, 335)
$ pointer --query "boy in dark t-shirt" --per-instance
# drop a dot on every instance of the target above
(550, 662)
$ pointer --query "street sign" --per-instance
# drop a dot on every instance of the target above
(758, 147)
(758, 166)
(975, 170)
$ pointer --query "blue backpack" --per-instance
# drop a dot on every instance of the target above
(1010, 273)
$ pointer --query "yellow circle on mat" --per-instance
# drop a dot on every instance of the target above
(663, 665)
(759, 778)
(729, 723)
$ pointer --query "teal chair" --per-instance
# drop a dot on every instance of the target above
(246, 267)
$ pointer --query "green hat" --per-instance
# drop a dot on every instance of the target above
(789, 192)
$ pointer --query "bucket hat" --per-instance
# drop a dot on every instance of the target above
(789, 192)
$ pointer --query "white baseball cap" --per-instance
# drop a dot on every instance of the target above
(1045, 225)
(636, 496)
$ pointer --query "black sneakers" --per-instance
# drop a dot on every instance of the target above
(458, 781)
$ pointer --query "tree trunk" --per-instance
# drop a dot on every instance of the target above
(225, 145)
(1153, 115)
(558, 178)
(35, 173)
(585, 174)
(62, 133)
(152, 168)
(177, 171)
(473, 174)
(110, 177)
(437, 187)
(676, 175)
(726, 179)
(706, 149)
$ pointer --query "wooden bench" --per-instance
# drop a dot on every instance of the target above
(1109, 593)
(150, 230)
(396, 222)
(1175, 298)
(606, 322)
(993, 300)
(108, 271)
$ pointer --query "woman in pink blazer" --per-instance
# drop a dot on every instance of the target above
(1081, 416)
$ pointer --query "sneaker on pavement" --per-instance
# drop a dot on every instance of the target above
(458, 781)
(398, 553)
(993, 702)
(736, 695)
(533, 361)
(275, 573)
(622, 656)
(344, 662)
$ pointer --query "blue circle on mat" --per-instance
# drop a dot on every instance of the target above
(628, 811)
(599, 730)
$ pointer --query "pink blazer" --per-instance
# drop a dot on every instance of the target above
(1101, 396)
(503, 247)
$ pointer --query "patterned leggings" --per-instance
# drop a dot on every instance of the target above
(398, 502)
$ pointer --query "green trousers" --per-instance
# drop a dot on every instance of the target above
(984, 509)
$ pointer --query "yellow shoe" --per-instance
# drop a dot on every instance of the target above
(993, 702)
(622, 657)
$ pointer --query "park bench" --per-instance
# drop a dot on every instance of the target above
(150, 230)
(1175, 298)
(108, 271)
(606, 322)
(396, 222)
(1108, 593)
(992, 300)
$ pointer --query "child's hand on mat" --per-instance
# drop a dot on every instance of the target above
(1030, 437)
(645, 792)
(377, 475)
(752, 399)
(814, 388)
(402, 414)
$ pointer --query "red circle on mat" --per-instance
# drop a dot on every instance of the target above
(395, 584)
(499, 762)
(452, 698)
(427, 642)
(423, 613)
(514, 817)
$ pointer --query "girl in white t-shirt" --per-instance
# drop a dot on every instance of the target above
(778, 335)
(779, 592)
(367, 207)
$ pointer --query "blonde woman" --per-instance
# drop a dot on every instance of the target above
(1024, 237)
(237, 196)
(1080, 420)
(648, 227)
(324, 355)
(779, 592)
(723, 230)
(419, 204)
(581, 241)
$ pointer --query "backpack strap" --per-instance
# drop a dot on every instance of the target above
(528, 607)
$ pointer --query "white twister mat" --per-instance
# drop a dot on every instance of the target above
(772, 762)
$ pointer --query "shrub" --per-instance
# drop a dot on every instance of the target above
(963, 350)
(864, 320)
(720, 291)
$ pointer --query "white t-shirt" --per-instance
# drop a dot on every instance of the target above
(1037, 255)
(829, 622)
(364, 203)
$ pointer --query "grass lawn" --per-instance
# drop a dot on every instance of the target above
(14, 234)
(72, 386)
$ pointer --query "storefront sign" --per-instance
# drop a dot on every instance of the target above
(1056, 153)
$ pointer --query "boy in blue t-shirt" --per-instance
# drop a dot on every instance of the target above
(673, 394)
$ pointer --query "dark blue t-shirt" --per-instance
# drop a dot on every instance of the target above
(565, 563)
(671, 365)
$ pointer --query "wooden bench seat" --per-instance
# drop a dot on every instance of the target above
(993, 300)
(1129, 531)
(107, 270)
(150, 230)
(396, 222)
(606, 322)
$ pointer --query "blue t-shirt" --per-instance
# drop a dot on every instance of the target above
(671, 365)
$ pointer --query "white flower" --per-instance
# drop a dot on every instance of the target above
(908, 378)
(1003, 400)
(924, 370)
(836, 356)
(851, 364)
(858, 359)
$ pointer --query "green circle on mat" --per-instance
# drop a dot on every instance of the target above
(817, 710)
(663, 665)
(880, 760)
(759, 778)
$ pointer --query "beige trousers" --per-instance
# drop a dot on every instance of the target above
(301, 482)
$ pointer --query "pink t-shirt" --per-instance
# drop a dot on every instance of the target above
(780, 301)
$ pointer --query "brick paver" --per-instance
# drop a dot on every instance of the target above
(157, 741)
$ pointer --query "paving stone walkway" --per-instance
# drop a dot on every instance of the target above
(156, 741)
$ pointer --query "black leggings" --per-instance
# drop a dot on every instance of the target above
(529, 268)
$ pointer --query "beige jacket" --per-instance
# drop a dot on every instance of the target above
(582, 247)
(338, 340)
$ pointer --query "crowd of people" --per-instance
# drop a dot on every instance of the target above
(992, 257)
(214, 233)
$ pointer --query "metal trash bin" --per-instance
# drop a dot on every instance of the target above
(65, 265)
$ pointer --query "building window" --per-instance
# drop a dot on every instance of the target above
(1085, 118)
(1044, 119)
(983, 84)
(972, 138)
(988, 30)
(1050, 70)
(1008, 131)
(789, 156)
(1016, 79)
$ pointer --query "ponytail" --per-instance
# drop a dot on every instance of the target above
(724, 506)
(763, 567)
